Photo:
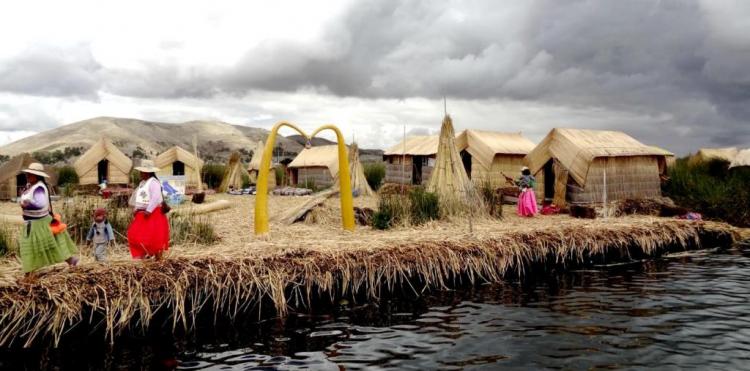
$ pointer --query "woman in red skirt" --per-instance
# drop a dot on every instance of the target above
(148, 235)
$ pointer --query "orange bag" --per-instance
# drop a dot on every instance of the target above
(56, 225)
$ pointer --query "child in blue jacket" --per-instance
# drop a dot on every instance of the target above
(100, 234)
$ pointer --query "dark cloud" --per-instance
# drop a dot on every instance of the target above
(678, 68)
(52, 71)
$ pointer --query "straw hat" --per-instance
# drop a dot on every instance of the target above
(36, 169)
(147, 166)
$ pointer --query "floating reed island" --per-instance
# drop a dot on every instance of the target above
(295, 265)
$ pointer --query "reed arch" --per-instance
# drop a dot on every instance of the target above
(345, 187)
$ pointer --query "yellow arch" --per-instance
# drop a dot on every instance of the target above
(345, 187)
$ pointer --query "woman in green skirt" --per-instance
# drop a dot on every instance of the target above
(39, 246)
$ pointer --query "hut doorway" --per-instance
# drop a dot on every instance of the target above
(549, 180)
(294, 175)
(466, 160)
(178, 168)
(416, 172)
(20, 183)
(102, 170)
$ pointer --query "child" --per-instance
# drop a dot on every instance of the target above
(101, 234)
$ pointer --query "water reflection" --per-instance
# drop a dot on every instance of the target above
(686, 312)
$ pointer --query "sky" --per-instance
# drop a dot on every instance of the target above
(671, 73)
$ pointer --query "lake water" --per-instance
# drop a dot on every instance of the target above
(673, 313)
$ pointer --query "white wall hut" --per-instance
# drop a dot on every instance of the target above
(177, 161)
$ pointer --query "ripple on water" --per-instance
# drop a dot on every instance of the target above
(680, 312)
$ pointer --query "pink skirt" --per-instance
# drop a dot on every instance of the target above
(527, 203)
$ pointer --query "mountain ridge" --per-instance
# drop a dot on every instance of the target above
(216, 139)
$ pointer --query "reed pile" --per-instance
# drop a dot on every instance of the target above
(456, 193)
(300, 262)
(360, 186)
(234, 174)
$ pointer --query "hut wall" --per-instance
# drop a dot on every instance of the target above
(627, 177)
(191, 175)
(8, 189)
(114, 176)
(509, 165)
(426, 174)
(319, 175)
(395, 172)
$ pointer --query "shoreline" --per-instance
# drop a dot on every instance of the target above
(295, 266)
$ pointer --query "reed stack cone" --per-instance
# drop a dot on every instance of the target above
(357, 173)
(456, 193)
(233, 173)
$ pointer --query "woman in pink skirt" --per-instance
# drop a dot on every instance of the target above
(526, 199)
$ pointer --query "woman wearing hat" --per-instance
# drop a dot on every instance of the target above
(527, 198)
(39, 246)
(148, 234)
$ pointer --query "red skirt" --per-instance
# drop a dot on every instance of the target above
(148, 235)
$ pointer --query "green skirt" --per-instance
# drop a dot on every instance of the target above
(40, 248)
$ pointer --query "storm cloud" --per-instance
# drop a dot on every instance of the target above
(673, 71)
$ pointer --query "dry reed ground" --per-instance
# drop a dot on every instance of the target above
(293, 262)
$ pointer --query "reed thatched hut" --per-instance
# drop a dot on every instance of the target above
(495, 155)
(706, 154)
(13, 180)
(254, 166)
(579, 165)
(315, 166)
(177, 161)
(742, 159)
(103, 161)
(412, 161)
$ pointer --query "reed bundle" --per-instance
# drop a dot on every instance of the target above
(449, 180)
(233, 173)
(357, 173)
(203, 208)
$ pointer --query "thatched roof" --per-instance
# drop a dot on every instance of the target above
(320, 156)
(742, 159)
(103, 149)
(423, 145)
(485, 145)
(257, 157)
(176, 153)
(727, 154)
(576, 149)
(14, 166)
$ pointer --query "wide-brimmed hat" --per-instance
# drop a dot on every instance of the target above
(147, 166)
(36, 169)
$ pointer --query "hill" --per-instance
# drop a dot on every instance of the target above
(138, 138)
